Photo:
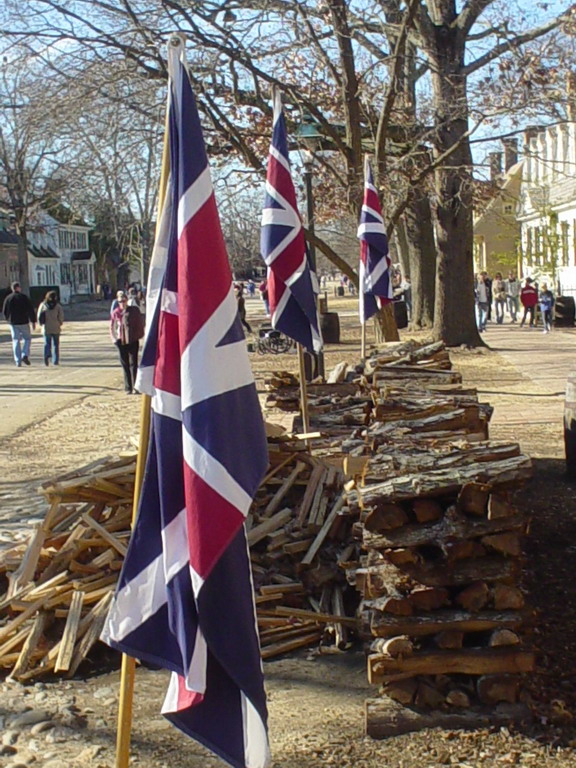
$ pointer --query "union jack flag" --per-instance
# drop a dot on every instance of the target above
(292, 285)
(375, 283)
(185, 600)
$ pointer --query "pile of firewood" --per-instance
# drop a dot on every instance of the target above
(388, 395)
(424, 536)
(59, 586)
(441, 602)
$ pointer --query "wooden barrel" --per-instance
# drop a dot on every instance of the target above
(570, 426)
(400, 314)
(565, 311)
(330, 327)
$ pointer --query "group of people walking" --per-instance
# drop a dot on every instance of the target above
(20, 314)
(509, 294)
(126, 328)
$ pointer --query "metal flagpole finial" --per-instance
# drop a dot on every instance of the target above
(177, 39)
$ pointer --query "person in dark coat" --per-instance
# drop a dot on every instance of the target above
(239, 291)
(126, 330)
(19, 313)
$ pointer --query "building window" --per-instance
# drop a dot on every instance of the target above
(537, 246)
(72, 241)
(82, 273)
(65, 276)
(529, 248)
(564, 243)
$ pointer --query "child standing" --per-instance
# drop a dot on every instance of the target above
(546, 300)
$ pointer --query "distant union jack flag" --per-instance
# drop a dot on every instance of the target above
(184, 600)
(292, 285)
(375, 283)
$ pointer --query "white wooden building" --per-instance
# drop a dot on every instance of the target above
(59, 255)
(547, 209)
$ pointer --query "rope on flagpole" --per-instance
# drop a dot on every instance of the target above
(128, 669)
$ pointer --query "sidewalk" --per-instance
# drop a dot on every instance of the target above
(544, 362)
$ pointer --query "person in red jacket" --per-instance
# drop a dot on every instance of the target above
(529, 299)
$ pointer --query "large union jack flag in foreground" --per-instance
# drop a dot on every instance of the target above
(375, 283)
(184, 599)
(292, 285)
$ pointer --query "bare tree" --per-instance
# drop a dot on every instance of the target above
(343, 62)
(115, 153)
(31, 171)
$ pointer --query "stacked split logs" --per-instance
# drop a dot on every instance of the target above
(441, 602)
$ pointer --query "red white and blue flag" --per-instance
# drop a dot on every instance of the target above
(374, 273)
(185, 600)
(292, 284)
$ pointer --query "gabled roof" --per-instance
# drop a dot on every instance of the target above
(8, 237)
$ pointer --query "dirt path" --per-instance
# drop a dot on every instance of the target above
(316, 702)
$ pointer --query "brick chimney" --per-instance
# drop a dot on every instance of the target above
(530, 133)
(510, 153)
(495, 162)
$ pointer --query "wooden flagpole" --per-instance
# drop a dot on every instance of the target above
(128, 669)
(303, 393)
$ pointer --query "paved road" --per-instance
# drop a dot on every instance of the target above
(89, 366)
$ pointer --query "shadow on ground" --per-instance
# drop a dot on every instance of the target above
(550, 581)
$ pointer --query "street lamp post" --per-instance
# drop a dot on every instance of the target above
(311, 140)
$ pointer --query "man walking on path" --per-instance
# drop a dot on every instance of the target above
(19, 313)
(529, 299)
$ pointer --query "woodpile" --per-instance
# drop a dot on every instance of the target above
(442, 609)
(59, 586)
(404, 508)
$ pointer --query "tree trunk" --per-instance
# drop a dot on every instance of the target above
(23, 269)
(402, 248)
(454, 316)
(422, 255)
(385, 318)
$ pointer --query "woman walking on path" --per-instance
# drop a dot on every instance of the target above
(126, 330)
(546, 304)
(482, 302)
(239, 290)
(51, 318)
(499, 291)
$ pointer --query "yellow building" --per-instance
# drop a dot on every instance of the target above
(496, 228)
